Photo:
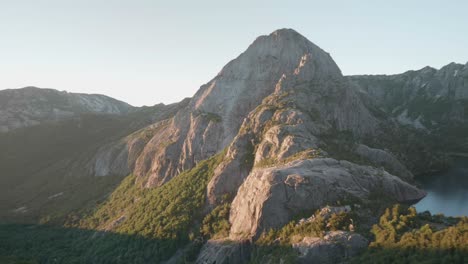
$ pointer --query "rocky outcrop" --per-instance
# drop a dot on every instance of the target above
(334, 247)
(270, 197)
(385, 159)
(119, 157)
(32, 106)
(224, 252)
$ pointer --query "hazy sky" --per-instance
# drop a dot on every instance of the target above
(146, 52)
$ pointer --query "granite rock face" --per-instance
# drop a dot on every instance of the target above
(270, 197)
(303, 104)
(272, 65)
(32, 106)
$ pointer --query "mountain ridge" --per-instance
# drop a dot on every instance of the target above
(277, 134)
(30, 106)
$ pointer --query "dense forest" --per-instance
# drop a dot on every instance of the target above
(403, 236)
(166, 219)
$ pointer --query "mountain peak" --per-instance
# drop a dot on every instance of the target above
(243, 83)
(286, 32)
(280, 52)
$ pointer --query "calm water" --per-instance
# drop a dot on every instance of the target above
(447, 192)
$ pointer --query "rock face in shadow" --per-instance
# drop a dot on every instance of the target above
(382, 157)
(224, 252)
(426, 99)
(432, 103)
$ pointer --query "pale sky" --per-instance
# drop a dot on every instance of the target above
(147, 51)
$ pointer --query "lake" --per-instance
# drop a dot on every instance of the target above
(447, 192)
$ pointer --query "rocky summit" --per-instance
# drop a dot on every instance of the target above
(228, 175)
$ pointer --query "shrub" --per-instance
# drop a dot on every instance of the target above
(216, 224)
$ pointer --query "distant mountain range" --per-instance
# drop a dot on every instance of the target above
(278, 134)
(32, 106)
